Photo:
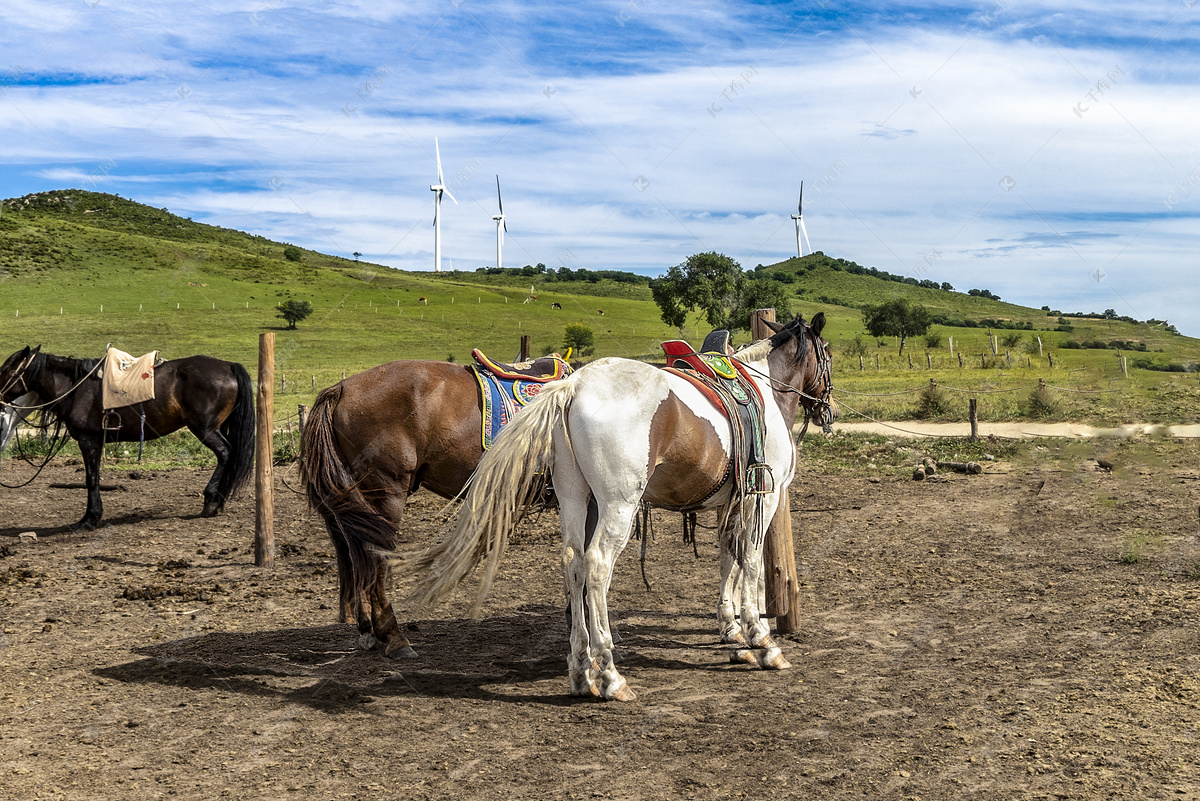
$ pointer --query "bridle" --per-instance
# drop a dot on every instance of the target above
(821, 408)
(818, 407)
(19, 373)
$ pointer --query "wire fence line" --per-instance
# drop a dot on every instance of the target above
(915, 390)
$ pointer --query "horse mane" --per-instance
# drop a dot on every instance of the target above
(759, 350)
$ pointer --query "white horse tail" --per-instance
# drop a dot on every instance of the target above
(509, 477)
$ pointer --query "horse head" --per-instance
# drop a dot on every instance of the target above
(13, 380)
(805, 366)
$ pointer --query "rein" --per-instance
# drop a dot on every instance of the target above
(823, 371)
(21, 374)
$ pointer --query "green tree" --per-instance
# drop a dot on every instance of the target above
(713, 285)
(897, 318)
(580, 338)
(293, 253)
(294, 311)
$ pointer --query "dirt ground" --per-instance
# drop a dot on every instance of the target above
(1027, 633)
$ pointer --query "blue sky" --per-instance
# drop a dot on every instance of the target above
(1045, 152)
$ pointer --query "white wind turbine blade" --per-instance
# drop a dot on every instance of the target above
(500, 201)
(438, 155)
(805, 232)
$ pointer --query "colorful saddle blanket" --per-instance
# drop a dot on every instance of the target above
(504, 389)
(127, 379)
(726, 384)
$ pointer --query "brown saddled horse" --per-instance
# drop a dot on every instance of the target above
(370, 441)
(213, 399)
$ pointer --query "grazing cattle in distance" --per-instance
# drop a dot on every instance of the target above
(556, 305)
(600, 312)
(423, 300)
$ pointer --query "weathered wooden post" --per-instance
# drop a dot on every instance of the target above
(960, 361)
(302, 413)
(779, 550)
(264, 518)
(928, 361)
(860, 363)
(1039, 339)
(974, 421)
(524, 356)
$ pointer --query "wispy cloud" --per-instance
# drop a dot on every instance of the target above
(636, 133)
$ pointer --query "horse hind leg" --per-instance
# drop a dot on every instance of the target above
(384, 625)
(214, 501)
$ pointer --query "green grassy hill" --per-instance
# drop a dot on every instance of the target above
(79, 270)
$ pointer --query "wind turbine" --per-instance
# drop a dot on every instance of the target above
(799, 218)
(501, 226)
(437, 190)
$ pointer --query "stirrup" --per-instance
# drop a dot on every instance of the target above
(110, 421)
(759, 479)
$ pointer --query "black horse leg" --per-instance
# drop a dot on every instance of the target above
(214, 501)
(90, 448)
(346, 597)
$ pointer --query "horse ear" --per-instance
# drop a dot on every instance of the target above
(774, 326)
(818, 323)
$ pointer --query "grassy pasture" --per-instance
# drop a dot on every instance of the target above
(80, 270)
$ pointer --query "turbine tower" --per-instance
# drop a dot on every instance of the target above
(501, 226)
(799, 218)
(437, 190)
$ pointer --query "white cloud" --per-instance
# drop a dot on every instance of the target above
(632, 145)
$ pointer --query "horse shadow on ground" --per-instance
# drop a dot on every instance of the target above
(494, 659)
(134, 518)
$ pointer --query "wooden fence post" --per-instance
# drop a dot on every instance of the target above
(524, 355)
(264, 517)
(779, 549)
(302, 413)
(974, 421)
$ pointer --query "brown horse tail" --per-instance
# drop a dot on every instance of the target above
(354, 526)
(508, 478)
(238, 429)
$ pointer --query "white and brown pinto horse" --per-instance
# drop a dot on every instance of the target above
(616, 434)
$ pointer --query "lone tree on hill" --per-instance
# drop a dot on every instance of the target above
(293, 253)
(897, 318)
(580, 338)
(294, 311)
(714, 285)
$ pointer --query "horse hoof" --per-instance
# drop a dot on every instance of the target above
(621, 693)
(366, 641)
(743, 656)
(737, 638)
(401, 652)
(772, 659)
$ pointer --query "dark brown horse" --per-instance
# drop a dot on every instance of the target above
(213, 399)
(370, 441)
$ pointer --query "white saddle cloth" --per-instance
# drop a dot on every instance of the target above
(127, 379)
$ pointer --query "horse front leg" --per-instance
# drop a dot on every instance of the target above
(90, 448)
(727, 622)
(763, 650)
